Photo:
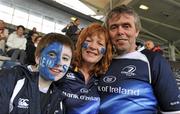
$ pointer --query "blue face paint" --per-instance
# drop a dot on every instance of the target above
(102, 50)
(85, 45)
(50, 57)
(65, 68)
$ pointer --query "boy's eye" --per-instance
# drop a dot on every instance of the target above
(66, 58)
(52, 54)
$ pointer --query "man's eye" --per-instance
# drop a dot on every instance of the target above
(126, 26)
(52, 54)
(113, 27)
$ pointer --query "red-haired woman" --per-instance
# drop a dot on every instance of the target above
(91, 60)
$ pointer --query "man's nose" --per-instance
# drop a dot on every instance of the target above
(120, 30)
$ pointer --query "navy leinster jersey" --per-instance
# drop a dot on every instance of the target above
(133, 85)
(80, 98)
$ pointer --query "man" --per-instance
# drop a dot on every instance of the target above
(16, 43)
(135, 83)
(73, 30)
(150, 46)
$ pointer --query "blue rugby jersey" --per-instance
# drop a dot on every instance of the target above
(80, 98)
(132, 86)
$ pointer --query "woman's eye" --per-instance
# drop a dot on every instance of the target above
(52, 54)
(88, 40)
(101, 44)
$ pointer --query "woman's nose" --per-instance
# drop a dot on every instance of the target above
(93, 45)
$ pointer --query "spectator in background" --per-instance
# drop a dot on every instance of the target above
(67, 27)
(30, 33)
(16, 43)
(31, 47)
(3, 36)
(150, 46)
(73, 30)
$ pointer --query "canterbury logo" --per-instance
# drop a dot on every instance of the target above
(129, 70)
(23, 103)
(70, 76)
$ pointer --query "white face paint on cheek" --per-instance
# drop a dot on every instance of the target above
(50, 63)
(42, 62)
(65, 68)
(102, 50)
(46, 62)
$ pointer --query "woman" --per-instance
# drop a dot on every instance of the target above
(30, 49)
(92, 57)
(25, 92)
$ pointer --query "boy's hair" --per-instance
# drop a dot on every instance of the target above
(51, 38)
(94, 29)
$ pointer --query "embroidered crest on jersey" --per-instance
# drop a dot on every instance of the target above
(109, 79)
(129, 70)
(70, 76)
(23, 103)
(84, 90)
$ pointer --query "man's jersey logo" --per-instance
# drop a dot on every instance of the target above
(23, 103)
(129, 70)
(109, 79)
(84, 90)
(70, 76)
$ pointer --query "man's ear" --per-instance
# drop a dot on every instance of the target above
(37, 59)
(137, 33)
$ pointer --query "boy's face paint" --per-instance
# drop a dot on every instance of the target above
(93, 49)
(55, 61)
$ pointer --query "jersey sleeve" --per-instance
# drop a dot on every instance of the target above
(164, 84)
(7, 83)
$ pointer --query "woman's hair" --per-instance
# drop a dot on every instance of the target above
(94, 29)
(51, 38)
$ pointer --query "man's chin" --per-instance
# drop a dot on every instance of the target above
(121, 51)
